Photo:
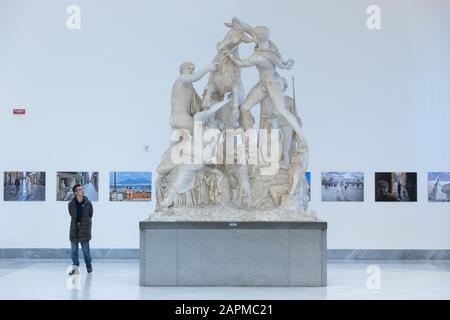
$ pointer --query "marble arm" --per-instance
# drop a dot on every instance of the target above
(249, 62)
(288, 64)
(189, 78)
(205, 114)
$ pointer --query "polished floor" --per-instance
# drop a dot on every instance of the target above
(118, 279)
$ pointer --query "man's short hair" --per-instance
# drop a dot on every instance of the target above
(74, 188)
(185, 65)
(261, 33)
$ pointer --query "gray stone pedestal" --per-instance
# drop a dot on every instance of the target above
(233, 254)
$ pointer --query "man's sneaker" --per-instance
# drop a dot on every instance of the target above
(75, 270)
(89, 268)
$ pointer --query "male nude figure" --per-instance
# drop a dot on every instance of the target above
(266, 59)
(185, 101)
(269, 117)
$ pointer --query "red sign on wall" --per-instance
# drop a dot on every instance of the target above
(19, 111)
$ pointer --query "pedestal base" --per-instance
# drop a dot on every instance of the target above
(233, 254)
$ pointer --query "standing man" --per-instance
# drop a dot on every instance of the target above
(81, 212)
(399, 190)
(17, 184)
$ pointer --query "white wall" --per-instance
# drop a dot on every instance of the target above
(370, 101)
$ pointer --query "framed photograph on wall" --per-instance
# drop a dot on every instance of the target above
(396, 186)
(65, 180)
(24, 186)
(439, 186)
(130, 186)
(342, 186)
(308, 182)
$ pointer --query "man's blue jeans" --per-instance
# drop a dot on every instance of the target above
(86, 253)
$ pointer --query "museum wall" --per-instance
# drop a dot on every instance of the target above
(370, 100)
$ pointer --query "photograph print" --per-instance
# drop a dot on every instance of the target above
(24, 186)
(396, 186)
(439, 186)
(130, 186)
(66, 180)
(343, 186)
(308, 182)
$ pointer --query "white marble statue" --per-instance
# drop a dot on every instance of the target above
(185, 101)
(228, 77)
(270, 119)
(266, 58)
(205, 184)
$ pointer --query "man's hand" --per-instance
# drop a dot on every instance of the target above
(289, 64)
(190, 78)
(213, 67)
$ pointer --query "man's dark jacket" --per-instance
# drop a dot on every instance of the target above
(81, 232)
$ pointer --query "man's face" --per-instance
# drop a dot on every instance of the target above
(261, 34)
(190, 69)
(79, 192)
